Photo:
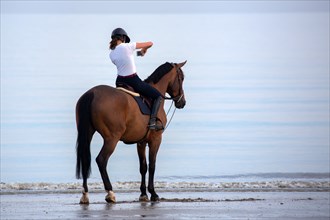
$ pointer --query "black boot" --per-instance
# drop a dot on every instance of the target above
(153, 118)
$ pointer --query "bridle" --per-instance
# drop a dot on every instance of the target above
(175, 98)
(179, 80)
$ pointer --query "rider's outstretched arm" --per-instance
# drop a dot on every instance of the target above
(144, 46)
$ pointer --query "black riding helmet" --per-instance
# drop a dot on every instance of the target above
(120, 32)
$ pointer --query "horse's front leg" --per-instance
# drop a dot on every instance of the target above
(141, 149)
(153, 150)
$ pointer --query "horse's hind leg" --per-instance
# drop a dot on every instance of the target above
(141, 148)
(85, 199)
(102, 161)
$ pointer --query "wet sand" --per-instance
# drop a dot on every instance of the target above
(173, 205)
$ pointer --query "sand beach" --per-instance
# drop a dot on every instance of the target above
(198, 204)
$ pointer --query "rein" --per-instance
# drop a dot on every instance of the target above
(169, 122)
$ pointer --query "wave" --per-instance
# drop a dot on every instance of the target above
(238, 182)
(256, 177)
(168, 186)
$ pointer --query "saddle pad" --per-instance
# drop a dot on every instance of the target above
(144, 108)
(128, 91)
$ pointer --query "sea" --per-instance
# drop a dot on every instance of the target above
(256, 85)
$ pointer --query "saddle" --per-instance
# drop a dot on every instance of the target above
(144, 103)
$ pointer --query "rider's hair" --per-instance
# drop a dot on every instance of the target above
(113, 42)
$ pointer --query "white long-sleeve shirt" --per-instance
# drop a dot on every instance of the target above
(123, 57)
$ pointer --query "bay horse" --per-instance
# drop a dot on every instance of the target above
(115, 115)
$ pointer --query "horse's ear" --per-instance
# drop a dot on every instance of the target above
(182, 64)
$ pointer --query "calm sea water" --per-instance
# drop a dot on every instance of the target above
(257, 90)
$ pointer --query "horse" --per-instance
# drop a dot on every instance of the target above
(115, 115)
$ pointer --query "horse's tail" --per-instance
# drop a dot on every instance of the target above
(85, 134)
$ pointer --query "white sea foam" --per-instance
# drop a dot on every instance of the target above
(261, 181)
(134, 186)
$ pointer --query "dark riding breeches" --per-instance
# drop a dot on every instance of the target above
(139, 86)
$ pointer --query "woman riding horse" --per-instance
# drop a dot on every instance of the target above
(116, 116)
(122, 55)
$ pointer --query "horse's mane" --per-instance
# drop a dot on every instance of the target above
(159, 73)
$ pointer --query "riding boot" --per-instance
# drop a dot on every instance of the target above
(153, 118)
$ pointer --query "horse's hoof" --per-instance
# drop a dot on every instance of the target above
(84, 202)
(144, 198)
(110, 198)
(155, 198)
(84, 199)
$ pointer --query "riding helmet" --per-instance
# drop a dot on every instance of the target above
(120, 32)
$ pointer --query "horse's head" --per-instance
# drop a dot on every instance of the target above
(175, 87)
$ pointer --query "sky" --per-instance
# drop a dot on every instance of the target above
(159, 7)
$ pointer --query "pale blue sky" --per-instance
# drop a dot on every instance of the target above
(162, 6)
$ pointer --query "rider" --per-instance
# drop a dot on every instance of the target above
(122, 56)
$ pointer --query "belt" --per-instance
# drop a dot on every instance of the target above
(129, 76)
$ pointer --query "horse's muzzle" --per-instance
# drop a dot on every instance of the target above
(180, 104)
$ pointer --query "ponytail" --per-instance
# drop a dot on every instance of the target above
(113, 42)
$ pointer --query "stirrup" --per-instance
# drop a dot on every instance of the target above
(154, 125)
